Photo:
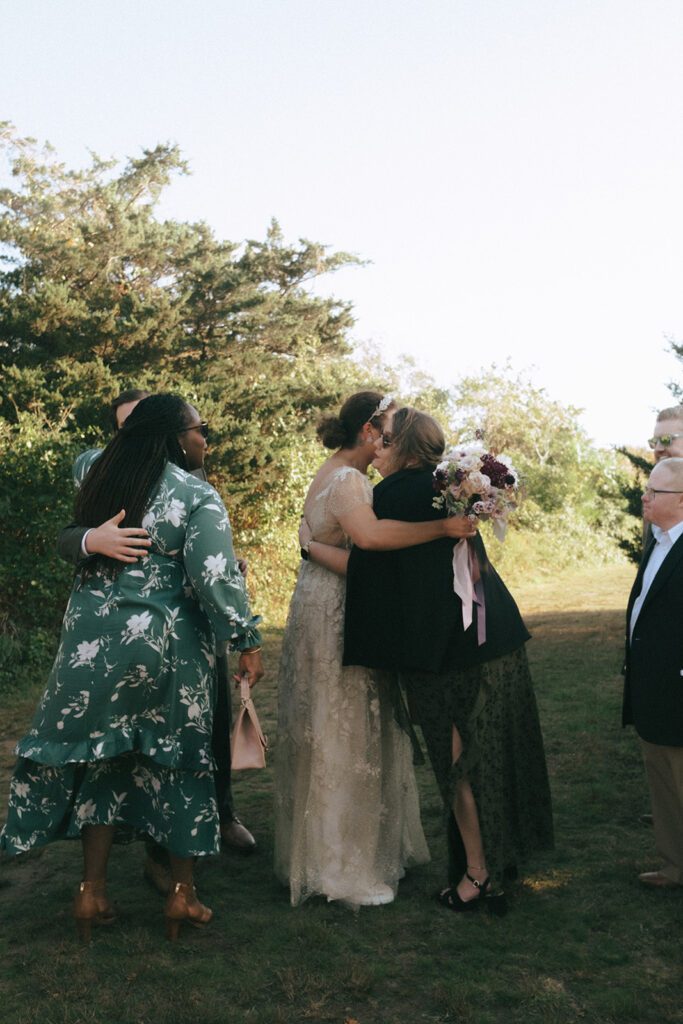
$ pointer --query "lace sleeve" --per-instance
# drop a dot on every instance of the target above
(348, 489)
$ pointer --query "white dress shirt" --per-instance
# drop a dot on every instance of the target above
(664, 541)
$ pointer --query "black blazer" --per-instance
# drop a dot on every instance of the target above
(401, 611)
(653, 686)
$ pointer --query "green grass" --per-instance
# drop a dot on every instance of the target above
(582, 942)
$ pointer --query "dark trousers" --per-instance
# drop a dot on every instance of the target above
(220, 741)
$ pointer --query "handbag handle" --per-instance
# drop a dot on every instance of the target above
(247, 702)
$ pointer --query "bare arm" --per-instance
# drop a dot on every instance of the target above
(330, 557)
(373, 534)
(336, 559)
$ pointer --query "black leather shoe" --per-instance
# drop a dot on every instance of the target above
(645, 819)
(237, 837)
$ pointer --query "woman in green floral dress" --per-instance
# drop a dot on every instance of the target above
(122, 734)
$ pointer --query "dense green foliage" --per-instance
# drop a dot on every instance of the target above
(97, 295)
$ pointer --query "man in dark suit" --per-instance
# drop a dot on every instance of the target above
(666, 443)
(77, 543)
(653, 689)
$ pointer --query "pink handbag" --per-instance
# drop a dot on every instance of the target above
(247, 744)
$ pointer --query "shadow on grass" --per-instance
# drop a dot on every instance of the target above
(582, 941)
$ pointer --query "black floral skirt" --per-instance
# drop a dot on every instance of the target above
(493, 706)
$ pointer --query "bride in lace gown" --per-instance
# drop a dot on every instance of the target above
(347, 820)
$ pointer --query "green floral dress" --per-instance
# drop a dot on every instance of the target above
(122, 734)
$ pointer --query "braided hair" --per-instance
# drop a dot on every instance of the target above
(128, 471)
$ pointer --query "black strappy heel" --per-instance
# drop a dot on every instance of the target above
(494, 904)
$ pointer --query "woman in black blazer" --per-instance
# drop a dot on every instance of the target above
(473, 701)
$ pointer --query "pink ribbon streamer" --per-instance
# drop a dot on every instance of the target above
(468, 592)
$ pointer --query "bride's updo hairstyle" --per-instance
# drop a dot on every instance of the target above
(364, 407)
(417, 440)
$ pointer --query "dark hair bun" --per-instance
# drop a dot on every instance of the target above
(332, 432)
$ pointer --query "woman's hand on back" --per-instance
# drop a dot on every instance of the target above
(125, 545)
(305, 532)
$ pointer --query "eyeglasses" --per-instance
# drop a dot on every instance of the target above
(203, 426)
(655, 491)
(386, 440)
(664, 439)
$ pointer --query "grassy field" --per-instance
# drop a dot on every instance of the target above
(582, 942)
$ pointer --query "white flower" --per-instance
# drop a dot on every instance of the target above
(21, 789)
(174, 511)
(85, 652)
(480, 482)
(86, 810)
(137, 624)
(215, 566)
(147, 521)
(469, 462)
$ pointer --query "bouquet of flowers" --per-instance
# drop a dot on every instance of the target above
(474, 483)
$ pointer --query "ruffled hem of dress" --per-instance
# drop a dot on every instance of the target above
(159, 749)
(14, 849)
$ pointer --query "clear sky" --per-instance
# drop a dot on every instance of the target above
(512, 168)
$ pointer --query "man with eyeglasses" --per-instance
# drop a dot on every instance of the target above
(667, 442)
(77, 543)
(653, 687)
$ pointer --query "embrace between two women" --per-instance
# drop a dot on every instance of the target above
(122, 735)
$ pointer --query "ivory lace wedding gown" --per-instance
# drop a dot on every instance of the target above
(347, 818)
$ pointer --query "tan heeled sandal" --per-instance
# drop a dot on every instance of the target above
(92, 906)
(182, 905)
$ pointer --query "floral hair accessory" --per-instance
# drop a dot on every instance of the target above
(382, 407)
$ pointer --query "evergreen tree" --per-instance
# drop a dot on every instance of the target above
(93, 288)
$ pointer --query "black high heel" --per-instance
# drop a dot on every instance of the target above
(494, 904)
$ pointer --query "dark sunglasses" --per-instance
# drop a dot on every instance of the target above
(203, 426)
(664, 439)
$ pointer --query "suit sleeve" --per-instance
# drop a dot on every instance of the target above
(69, 543)
(70, 538)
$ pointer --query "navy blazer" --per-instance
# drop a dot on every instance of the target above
(653, 686)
